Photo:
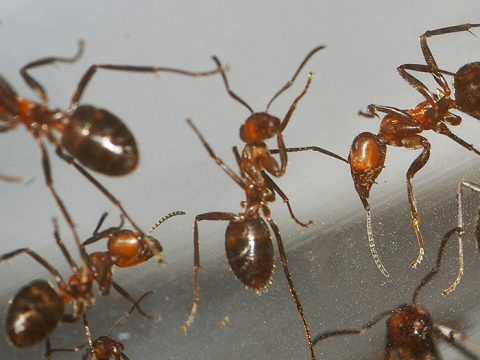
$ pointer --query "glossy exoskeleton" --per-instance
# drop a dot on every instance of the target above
(402, 128)
(37, 309)
(126, 248)
(248, 242)
(412, 333)
(94, 137)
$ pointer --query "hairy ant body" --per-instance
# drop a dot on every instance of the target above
(94, 137)
(37, 309)
(402, 128)
(104, 347)
(411, 331)
(248, 242)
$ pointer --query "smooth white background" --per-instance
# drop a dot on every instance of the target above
(263, 43)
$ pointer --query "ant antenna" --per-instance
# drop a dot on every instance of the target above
(291, 81)
(163, 219)
(371, 240)
(230, 92)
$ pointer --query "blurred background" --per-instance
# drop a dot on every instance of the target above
(263, 43)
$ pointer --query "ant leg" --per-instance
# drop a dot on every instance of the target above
(88, 333)
(458, 341)
(312, 148)
(227, 86)
(34, 84)
(283, 125)
(130, 299)
(290, 82)
(360, 331)
(85, 79)
(373, 110)
(58, 278)
(62, 247)
(435, 270)
(212, 216)
(420, 86)
(219, 161)
(427, 53)
(434, 71)
(126, 315)
(49, 181)
(460, 224)
(445, 131)
(271, 184)
(414, 142)
(70, 160)
(288, 276)
(9, 178)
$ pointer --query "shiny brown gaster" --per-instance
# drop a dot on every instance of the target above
(94, 137)
(248, 241)
(402, 128)
(37, 309)
(411, 332)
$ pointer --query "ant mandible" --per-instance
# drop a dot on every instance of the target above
(38, 306)
(411, 332)
(126, 248)
(104, 347)
(94, 137)
(402, 128)
(248, 241)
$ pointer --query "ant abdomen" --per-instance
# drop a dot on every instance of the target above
(34, 313)
(100, 141)
(366, 159)
(249, 249)
(467, 89)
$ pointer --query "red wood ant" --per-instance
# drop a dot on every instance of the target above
(104, 347)
(411, 332)
(37, 309)
(94, 137)
(248, 242)
(126, 248)
(402, 128)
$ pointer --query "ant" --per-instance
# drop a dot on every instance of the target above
(103, 347)
(248, 241)
(126, 248)
(411, 332)
(94, 138)
(402, 128)
(37, 309)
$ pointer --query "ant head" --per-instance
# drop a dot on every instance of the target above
(410, 328)
(105, 347)
(366, 159)
(467, 89)
(259, 127)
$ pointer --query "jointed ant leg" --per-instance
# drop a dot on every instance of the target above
(312, 148)
(34, 84)
(219, 161)
(58, 278)
(85, 79)
(434, 71)
(271, 184)
(288, 275)
(212, 216)
(63, 248)
(291, 81)
(373, 110)
(445, 131)
(460, 225)
(130, 299)
(361, 330)
(417, 164)
(418, 85)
